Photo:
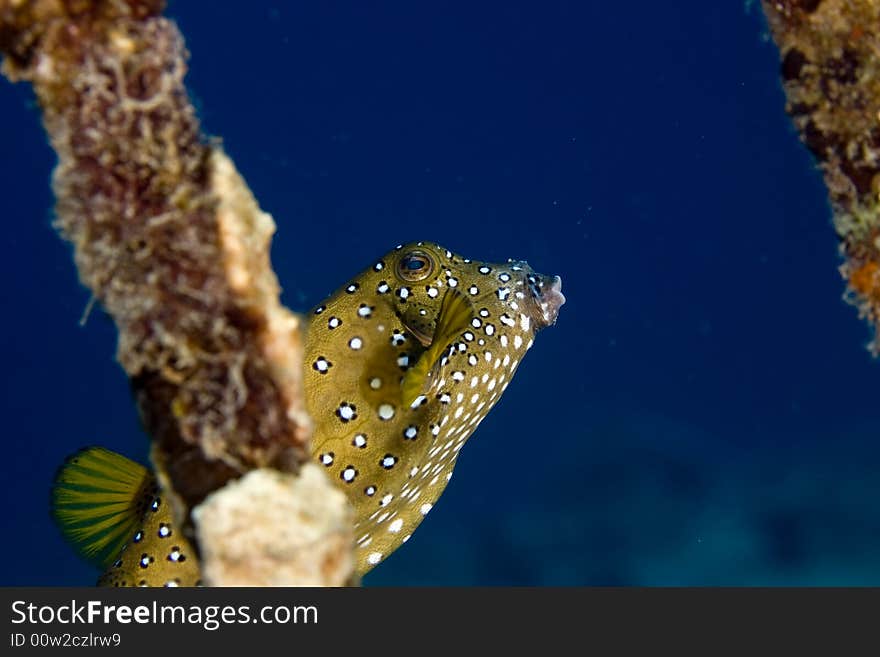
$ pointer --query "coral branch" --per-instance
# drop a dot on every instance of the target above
(830, 51)
(169, 239)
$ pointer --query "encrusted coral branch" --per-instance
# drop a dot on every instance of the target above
(170, 240)
(830, 51)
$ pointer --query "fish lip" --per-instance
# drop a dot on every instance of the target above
(552, 301)
(546, 296)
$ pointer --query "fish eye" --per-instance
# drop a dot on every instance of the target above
(415, 266)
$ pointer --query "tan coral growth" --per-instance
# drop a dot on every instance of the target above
(169, 239)
(273, 529)
(830, 51)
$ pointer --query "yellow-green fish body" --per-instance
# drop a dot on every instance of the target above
(402, 364)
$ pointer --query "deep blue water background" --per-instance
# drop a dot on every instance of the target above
(704, 412)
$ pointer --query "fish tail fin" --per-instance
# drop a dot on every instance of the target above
(99, 498)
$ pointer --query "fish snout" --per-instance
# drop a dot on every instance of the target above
(546, 292)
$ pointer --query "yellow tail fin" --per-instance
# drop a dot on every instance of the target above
(99, 498)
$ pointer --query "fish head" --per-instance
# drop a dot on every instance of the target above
(423, 271)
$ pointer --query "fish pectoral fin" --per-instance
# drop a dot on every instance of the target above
(98, 499)
(456, 313)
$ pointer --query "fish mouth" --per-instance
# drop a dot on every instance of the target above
(546, 298)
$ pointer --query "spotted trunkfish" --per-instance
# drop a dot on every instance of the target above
(402, 364)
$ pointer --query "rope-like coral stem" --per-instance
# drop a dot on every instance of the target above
(168, 238)
(830, 51)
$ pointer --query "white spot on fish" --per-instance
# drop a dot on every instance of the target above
(346, 412)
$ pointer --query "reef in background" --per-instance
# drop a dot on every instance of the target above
(170, 241)
(830, 52)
